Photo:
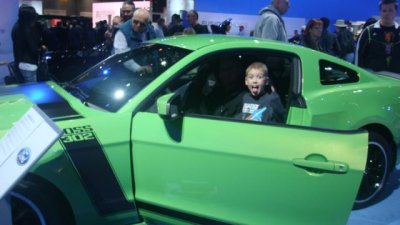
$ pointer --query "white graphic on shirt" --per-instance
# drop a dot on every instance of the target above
(251, 112)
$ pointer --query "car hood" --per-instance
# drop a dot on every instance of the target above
(44, 96)
(16, 100)
(12, 108)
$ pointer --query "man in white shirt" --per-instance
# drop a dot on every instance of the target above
(131, 33)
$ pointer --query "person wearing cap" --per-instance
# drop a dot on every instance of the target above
(378, 47)
(345, 40)
(270, 24)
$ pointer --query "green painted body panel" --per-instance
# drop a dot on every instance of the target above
(325, 103)
(12, 108)
(113, 130)
(232, 172)
(115, 144)
(242, 180)
(350, 106)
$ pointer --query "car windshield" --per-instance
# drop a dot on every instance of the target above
(113, 82)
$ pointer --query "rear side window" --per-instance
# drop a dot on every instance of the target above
(331, 73)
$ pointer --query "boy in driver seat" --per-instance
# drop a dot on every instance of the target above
(261, 102)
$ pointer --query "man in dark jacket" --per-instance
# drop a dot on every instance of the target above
(378, 47)
(345, 40)
(127, 9)
(26, 37)
(329, 43)
(175, 27)
(192, 19)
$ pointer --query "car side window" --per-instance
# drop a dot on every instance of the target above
(215, 86)
(331, 73)
(180, 82)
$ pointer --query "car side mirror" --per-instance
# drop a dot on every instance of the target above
(169, 106)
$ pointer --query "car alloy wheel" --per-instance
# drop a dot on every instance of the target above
(375, 173)
(28, 211)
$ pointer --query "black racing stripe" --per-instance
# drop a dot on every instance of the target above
(52, 103)
(58, 111)
(94, 169)
(178, 215)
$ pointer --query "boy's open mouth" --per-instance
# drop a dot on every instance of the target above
(254, 89)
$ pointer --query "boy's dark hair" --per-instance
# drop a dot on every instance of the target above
(386, 2)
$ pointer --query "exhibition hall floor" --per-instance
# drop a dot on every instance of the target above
(386, 211)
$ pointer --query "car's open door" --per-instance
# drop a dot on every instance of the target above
(208, 170)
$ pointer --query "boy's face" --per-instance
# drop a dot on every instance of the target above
(256, 80)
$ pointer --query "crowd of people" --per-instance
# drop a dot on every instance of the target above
(377, 47)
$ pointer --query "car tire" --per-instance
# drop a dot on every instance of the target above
(376, 172)
(37, 202)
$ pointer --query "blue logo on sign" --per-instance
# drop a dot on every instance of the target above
(23, 156)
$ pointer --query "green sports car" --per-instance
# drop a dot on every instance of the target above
(142, 142)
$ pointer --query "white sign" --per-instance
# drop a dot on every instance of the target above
(23, 145)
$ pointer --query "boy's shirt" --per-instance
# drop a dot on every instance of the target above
(266, 107)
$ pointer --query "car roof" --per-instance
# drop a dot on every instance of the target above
(195, 42)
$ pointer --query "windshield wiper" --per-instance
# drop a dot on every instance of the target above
(76, 91)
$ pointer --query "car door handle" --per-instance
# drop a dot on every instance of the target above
(328, 166)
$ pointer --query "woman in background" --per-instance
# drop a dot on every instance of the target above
(312, 34)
